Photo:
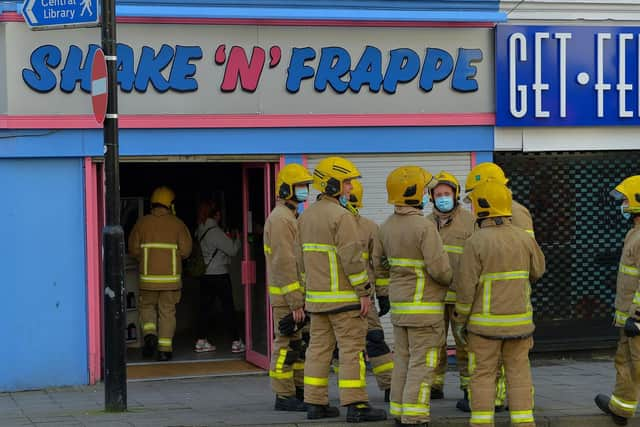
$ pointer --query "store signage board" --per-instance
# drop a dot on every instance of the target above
(567, 76)
(54, 14)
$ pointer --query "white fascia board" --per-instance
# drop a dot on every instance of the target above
(580, 138)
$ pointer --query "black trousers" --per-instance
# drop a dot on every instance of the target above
(212, 287)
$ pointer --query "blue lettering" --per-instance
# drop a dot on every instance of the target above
(181, 77)
(368, 71)
(438, 64)
(40, 78)
(297, 70)
(125, 68)
(335, 63)
(74, 71)
(463, 76)
(150, 68)
(403, 67)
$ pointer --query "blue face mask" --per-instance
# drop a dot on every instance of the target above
(344, 200)
(302, 194)
(444, 204)
(425, 200)
(625, 215)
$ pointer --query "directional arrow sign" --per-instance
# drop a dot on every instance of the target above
(52, 14)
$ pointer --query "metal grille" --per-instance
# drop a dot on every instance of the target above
(577, 224)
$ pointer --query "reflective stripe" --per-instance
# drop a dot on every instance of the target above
(281, 358)
(501, 387)
(283, 290)
(626, 405)
(454, 249)
(519, 417)
(463, 308)
(531, 233)
(417, 297)
(159, 279)
(438, 380)
(464, 381)
(425, 394)
(331, 251)
(298, 366)
(148, 327)
(629, 270)
(450, 297)
(382, 282)
(159, 245)
(482, 417)
(329, 297)
(471, 363)
(383, 368)
(359, 383)
(621, 318)
(410, 410)
(406, 262)
(395, 408)
(267, 249)
(365, 256)
(319, 382)
(487, 282)
(359, 278)
(636, 298)
(432, 357)
(501, 319)
(165, 342)
(281, 375)
(417, 308)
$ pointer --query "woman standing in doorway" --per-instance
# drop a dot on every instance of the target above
(217, 249)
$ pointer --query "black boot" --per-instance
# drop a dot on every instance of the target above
(387, 394)
(437, 393)
(603, 403)
(150, 346)
(362, 412)
(164, 356)
(463, 404)
(290, 404)
(300, 393)
(315, 412)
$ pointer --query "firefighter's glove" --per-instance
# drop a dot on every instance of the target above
(287, 326)
(631, 328)
(385, 305)
(460, 330)
(384, 261)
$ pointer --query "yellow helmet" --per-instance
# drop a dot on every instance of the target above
(331, 172)
(491, 199)
(447, 179)
(289, 176)
(163, 196)
(406, 184)
(356, 194)
(483, 172)
(629, 189)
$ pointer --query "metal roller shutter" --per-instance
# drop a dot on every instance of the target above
(374, 170)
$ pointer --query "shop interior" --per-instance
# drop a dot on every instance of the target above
(192, 182)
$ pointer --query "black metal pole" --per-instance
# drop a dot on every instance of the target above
(115, 369)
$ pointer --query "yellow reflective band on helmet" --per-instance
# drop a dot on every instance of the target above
(501, 319)
(319, 382)
(365, 256)
(450, 297)
(331, 252)
(382, 282)
(417, 308)
(406, 262)
(281, 375)
(487, 283)
(283, 290)
(452, 249)
(331, 297)
(432, 357)
(148, 327)
(165, 342)
(298, 366)
(359, 383)
(463, 308)
(520, 417)
(359, 278)
(383, 368)
(395, 408)
(159, 279)
(267, 249)
(629, 270)
(625, 405)
(621, 318)
(482, 417)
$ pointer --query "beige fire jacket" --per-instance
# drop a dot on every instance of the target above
(628, 285)
(336, 273)
(521, 217)
(282, 251)
(160, 241)
(419, 273)
(454, 229)
(494, 292)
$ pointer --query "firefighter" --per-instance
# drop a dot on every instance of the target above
(338, 295)
(419, 275)
(624, 400)
(493, 304)
(286, 292)
(521, 217)
(160, 241)
(455, 225)
(378, 351)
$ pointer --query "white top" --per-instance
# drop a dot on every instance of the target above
(216, 239)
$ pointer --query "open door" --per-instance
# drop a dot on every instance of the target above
(257, 201)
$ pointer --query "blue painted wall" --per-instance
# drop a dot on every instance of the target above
(140, 142)
(43, 305)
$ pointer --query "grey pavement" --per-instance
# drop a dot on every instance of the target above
(564, 397)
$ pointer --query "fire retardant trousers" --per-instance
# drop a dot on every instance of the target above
(158, 316)
(624, 399)
(416, 358)
(287, 364)
(378, 351)
(484, 358)
(348, 331)
(461, 356)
